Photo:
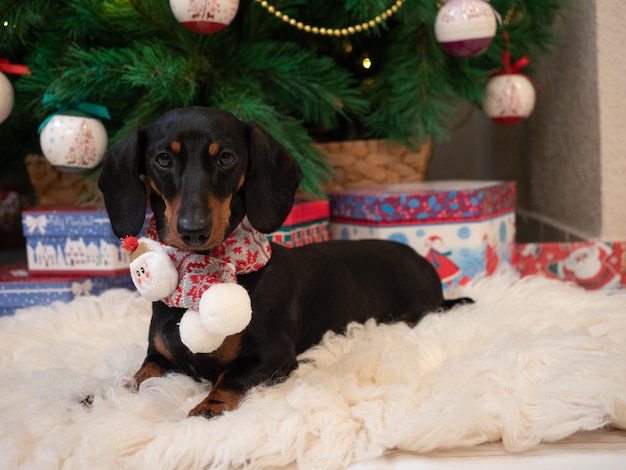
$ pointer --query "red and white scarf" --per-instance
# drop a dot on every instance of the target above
(244, 251)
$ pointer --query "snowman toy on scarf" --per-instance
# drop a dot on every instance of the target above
(204, 284)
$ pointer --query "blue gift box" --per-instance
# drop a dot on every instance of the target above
(72, 241)
(18, 288)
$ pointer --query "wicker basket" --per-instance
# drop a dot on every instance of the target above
(54, 187)
(362, 162)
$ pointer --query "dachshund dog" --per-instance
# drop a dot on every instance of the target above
(203, 171)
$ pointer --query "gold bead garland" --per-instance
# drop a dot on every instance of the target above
(350, 30)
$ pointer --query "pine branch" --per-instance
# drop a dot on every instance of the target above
(310, 88)
(135, 58)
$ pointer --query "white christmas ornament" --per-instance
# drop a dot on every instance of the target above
(6, 97)
(204, 16)
(509, 98)
(465, 28)
(73, 141)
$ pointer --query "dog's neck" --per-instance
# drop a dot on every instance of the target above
(245, 248)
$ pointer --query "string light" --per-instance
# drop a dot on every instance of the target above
(348, 31)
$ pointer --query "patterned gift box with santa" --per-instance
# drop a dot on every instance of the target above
(18, 288)
(72, 241)
(592, 265)
(466, 229)
(306, 223)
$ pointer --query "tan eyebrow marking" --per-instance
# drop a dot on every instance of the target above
(175, 146)
(214, 148)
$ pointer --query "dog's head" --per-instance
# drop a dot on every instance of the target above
(205, 170)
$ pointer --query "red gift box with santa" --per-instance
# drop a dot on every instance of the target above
(306, 223)
(591, 264)
(466, 229)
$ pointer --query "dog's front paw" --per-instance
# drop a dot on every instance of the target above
(195, 336)
(148, 370)
(225, 309)
(218, 402)
(210, 410)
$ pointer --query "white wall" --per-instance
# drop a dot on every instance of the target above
(611, 40)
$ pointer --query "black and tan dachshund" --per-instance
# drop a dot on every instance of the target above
(204, 170)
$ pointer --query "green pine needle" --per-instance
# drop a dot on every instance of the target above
(133, 57)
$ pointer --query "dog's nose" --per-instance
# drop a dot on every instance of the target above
(194, 232)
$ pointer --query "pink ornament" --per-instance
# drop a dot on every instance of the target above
(204, 16)
(465, 28)
(509, 98)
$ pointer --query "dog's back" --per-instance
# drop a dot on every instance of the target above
(327, 285)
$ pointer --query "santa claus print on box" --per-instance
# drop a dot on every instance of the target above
(592, 265)
(466, 229)
(72, 241)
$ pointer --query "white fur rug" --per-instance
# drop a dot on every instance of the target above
(533, 360)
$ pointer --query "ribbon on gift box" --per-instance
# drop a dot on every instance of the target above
(82, 288)
(91, 109)
(14, 69)
(36, 223)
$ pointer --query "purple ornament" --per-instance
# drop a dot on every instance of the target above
(465, 28)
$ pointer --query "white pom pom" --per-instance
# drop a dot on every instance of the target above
(154, 275)
(195, 336)
(225, 308)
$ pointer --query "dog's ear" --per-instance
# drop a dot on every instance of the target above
(121, 184)
(271, 182)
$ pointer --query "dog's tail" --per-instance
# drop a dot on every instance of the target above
(449, 303)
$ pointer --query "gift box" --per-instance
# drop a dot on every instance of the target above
(466, 229)
(592, 265)
(18, 288)
(306, 223)
(72, 241)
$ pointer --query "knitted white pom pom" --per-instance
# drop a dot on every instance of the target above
(225, 308)
(195, 336)
(154, 275)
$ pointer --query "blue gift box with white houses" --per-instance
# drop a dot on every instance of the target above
(19, 289)
(466, 229)
(72, 241)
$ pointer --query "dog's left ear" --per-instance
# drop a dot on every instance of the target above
(271, 182)
(121, 184)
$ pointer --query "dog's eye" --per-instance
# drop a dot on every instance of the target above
(226, 159)
(164, 160)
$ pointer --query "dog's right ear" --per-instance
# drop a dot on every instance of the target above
(121, 184)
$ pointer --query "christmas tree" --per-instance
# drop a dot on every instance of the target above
(303, 70)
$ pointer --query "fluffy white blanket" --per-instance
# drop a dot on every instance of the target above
(533, 360)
